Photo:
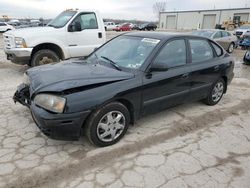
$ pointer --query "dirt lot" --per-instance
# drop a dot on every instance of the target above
(192, 145)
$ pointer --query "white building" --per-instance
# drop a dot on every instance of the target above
(204, 19)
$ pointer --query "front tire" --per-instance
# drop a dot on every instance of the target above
(216, 92)
(43, 57)
(107, 125)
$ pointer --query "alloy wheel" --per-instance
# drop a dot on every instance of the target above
(217, 92)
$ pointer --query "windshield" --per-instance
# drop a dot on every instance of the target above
(245, 27)
(203, 33)
(126, 51)
(62, 19)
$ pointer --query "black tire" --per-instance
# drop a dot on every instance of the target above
(246, 58)
(231, 48)
(38, 57)
(210, 100)
(91, 127)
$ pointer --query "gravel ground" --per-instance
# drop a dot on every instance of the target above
(191, 145)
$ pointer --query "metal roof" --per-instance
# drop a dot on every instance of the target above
(207, 10)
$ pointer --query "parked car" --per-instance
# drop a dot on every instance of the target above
(148, 27)
(109, 26)
(245, 45)
(128, 77)
(5, 27)
(245, 41)
(242, 31)
(123, 27)
(227, 40)
(74, 33)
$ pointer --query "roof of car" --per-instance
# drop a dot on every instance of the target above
(155, 35)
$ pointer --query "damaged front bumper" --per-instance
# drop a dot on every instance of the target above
(22, 95)
(57, 126)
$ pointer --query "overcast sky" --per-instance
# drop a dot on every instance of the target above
(121, 9)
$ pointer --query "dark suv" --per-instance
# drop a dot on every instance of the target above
(128, 77)
(148, 27)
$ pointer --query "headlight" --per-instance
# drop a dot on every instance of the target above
(26, 79)
(20, 43)
(50, 102)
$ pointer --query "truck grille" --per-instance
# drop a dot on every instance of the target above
(8, 42)
(239, 33)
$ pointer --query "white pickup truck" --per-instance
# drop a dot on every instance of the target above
(109, 26)
(73, 33)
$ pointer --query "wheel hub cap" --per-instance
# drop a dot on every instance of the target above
(111, 126)
(217, 91)
(45, 60)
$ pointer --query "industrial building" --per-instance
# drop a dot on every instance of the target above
(202, 19)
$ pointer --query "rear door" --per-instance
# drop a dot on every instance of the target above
(206, 65)
(224, 40)
(171, 87)
(82, 43)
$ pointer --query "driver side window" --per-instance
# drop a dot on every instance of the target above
(173, 54)
(85, 21)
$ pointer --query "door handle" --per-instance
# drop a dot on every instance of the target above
(185, 76)
(99, 34)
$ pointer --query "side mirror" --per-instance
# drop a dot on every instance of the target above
(76, 26)
(158, 67)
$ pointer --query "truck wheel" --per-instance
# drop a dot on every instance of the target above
(107, 125)
(43, 57)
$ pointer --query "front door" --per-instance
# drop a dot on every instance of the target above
(170, 87)
(85, 36)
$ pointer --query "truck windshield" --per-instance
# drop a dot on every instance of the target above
(62, 19)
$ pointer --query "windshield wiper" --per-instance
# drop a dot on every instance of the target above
(111, 62)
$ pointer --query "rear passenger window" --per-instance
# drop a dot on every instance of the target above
(173, 54)
(200, 50)
(225, 34)
(218, 50)
(217, 35)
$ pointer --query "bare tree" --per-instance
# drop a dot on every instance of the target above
(159, 7)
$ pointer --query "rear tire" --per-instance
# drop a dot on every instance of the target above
(216, 93)
(43, 57)
(107, 125)
(231, 48)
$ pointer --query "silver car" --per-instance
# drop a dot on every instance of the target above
(226, 39)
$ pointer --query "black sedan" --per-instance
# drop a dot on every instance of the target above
(148, 27)
(130, 76)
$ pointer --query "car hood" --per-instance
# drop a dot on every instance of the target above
(23, 32)
(70, 75)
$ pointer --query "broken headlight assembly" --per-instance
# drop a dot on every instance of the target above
(50, 102)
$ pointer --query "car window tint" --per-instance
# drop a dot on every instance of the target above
(217, 49)
(201, 50)
(87, 21)
(2, 24)
(173, 54)
(217, 35)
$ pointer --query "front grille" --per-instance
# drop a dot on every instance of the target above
(8, 42)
